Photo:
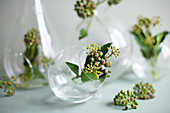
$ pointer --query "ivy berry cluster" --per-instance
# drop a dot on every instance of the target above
(149, 43)
(129, 98)
(8, 85)
(97, 61)
(86, 8)
(142, 30)
(144, 90)
(113, 2)
(126, 98)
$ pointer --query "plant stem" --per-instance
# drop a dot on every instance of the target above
(100, 2)
(78, 26)
(89, 23)
(73, 79)
(103, 25)
(154, 67)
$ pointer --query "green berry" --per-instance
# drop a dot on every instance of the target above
(143, 90)
(85, 8)
(102, 62)
(98, 58)
(100, 53)
(91, 59)
(127, 99)
(96, 54)
(4, 76)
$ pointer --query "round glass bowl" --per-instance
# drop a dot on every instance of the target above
(150, 68)
(60, 77)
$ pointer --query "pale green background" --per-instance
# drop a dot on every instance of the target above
(43, 101)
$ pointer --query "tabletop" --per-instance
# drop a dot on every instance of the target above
(42, 100)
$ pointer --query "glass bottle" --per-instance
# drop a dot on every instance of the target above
(29, 48)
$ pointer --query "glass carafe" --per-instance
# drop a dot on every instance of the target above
(28, 50)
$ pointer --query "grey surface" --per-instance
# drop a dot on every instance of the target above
(42, 100)
(63, 18)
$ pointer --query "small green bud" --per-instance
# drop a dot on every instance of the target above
(4, 76)
(143, 90)
(126, 98)
(135, 102)
(96, 54)
(98, 58)
(91, 59)
(100, 53)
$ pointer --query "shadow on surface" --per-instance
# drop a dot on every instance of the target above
(128, 77)
(3, 95)
(117, 107)
(112, 105)
(32, 88)
(53, 101)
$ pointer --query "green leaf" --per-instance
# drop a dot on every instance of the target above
(88, 76)
(83, 34)
(87, 61)
(73, 67)
(109, 72)
(160, 37)
(147, 52)
(139, 39)
(102, 78)
(104, 48)
(150, 52)
(157, 50)
(107, 76)
(46, 84)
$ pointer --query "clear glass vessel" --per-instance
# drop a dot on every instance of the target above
(149, 66)
(28, 50)
(102, 28)
(61, 80)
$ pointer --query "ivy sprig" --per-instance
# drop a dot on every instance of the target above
(86, 9)
(127, 99)
(96, 63)
(150, 45)
(8, 85)
(144, 90)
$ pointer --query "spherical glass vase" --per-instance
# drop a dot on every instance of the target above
(28, 50)
(150, 66)
(63, 81)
